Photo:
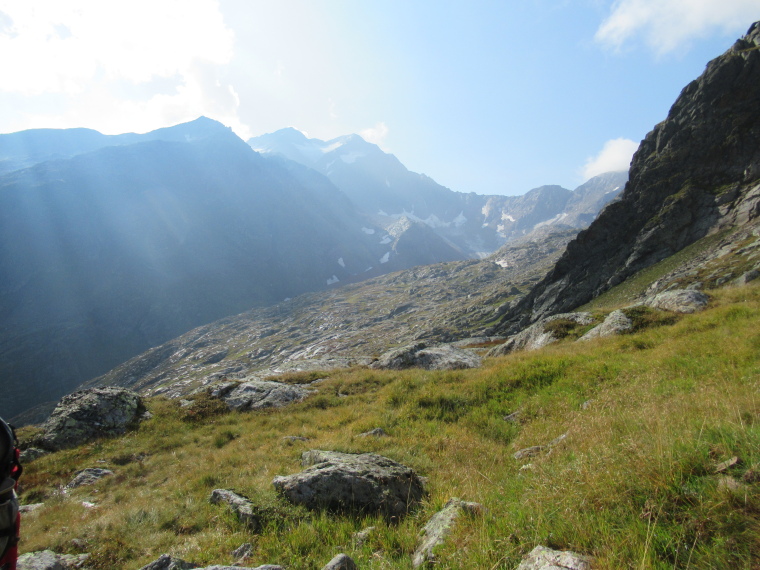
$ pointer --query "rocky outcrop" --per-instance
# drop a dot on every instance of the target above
(258, 394)
(241, 506)
(616, 323)
(696, 172)
(88, 476)
(49, 560)
(341, 562)
(90, 414)
(166, 562)
(438, 527)
(419, 355)
(365, 483)
(538, 335)
(543, 558)
(679, 301)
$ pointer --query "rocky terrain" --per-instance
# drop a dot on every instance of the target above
(695, 174)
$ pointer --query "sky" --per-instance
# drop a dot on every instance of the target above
(486, 96)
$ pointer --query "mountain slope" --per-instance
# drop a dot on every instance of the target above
(695, 173)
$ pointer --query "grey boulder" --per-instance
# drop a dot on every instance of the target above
(616, 323)
(363, 483)
(419, 355)
(90, 414)
(88, 476)
(438, 527)
(258, 394)
(341, 562)
(49, 560)
(239, 505)
(543, 558)
(678, 301)
(539, 334)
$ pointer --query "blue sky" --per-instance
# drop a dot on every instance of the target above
(483, 96)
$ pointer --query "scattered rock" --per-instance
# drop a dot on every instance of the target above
(90, 414)
(444, 357)
(728, 483)
(438, 527)
(243, 551)
(30, 508)
(31, 453)
(513, 418)
(542, 558)
(49, 560)
(721, 467)
(377, 432)
(616, 323)
(586, 405)
(678, 301)
(751, 475)
(349, 482)
(88, 476)
(750, 275)
(240, 505)
(362, 536)
(529, 452)
(166, 562)
(341, 562)
(258, 394)
(294, 438)
(539, 334)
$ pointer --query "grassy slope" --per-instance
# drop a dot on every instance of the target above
(632, 484)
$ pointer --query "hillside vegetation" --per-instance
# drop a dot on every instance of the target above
(648, 418)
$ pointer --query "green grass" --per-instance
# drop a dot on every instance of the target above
(632, 484)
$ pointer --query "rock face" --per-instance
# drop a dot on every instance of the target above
(615, 323)
(539, 334)
(430, 358)
(679, 301)
(257, 394)
(696, 172)
(366, 483)
(438, 527)
(542, 558)
(89, 414)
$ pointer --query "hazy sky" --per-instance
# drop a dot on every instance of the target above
(486, 96)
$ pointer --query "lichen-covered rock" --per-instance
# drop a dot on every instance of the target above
(258, 394)
(49, 560)
(166, 562)
(365, 483)
(88, 476)
(444, 357)
(539, 334)
(31, 453)
(90, 414)
(340, 562)
(240, 505)
(679, 301)
(616, 323)
(543, 558)
(438, 527)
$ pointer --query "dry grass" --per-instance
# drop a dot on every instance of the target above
(632, 483)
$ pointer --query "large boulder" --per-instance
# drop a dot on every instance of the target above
(258, 394)
(616, 323)
(444, 357)
(364, 483)
(679, 301)
(90, 414)
(543, 558)
(538, 335)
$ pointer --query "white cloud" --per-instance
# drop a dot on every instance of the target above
(670, 25)
(118, 65)
(376, 134)
(615, 155)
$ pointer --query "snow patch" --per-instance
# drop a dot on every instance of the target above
(381, 213)
(368, 231)
(385, 258)
(368, 269)
(558, 218)
(507, 218)
(484, 225)
(334, 279)
(386, 240)
(341, 263)
(350, 158)
(459, 220)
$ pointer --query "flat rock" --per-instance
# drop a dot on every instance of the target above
(543, 558)
(438, 527)
(49, 560)
(616, 323)
(258, 394)
(340, 562)
(377, 432)
(240, 505)
(166, 562)
(88, 476)
(419, 355)
(90, 414)
(678, 301)
(363, 483)
(538, 335)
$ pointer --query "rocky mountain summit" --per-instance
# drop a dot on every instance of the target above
(695, 174)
